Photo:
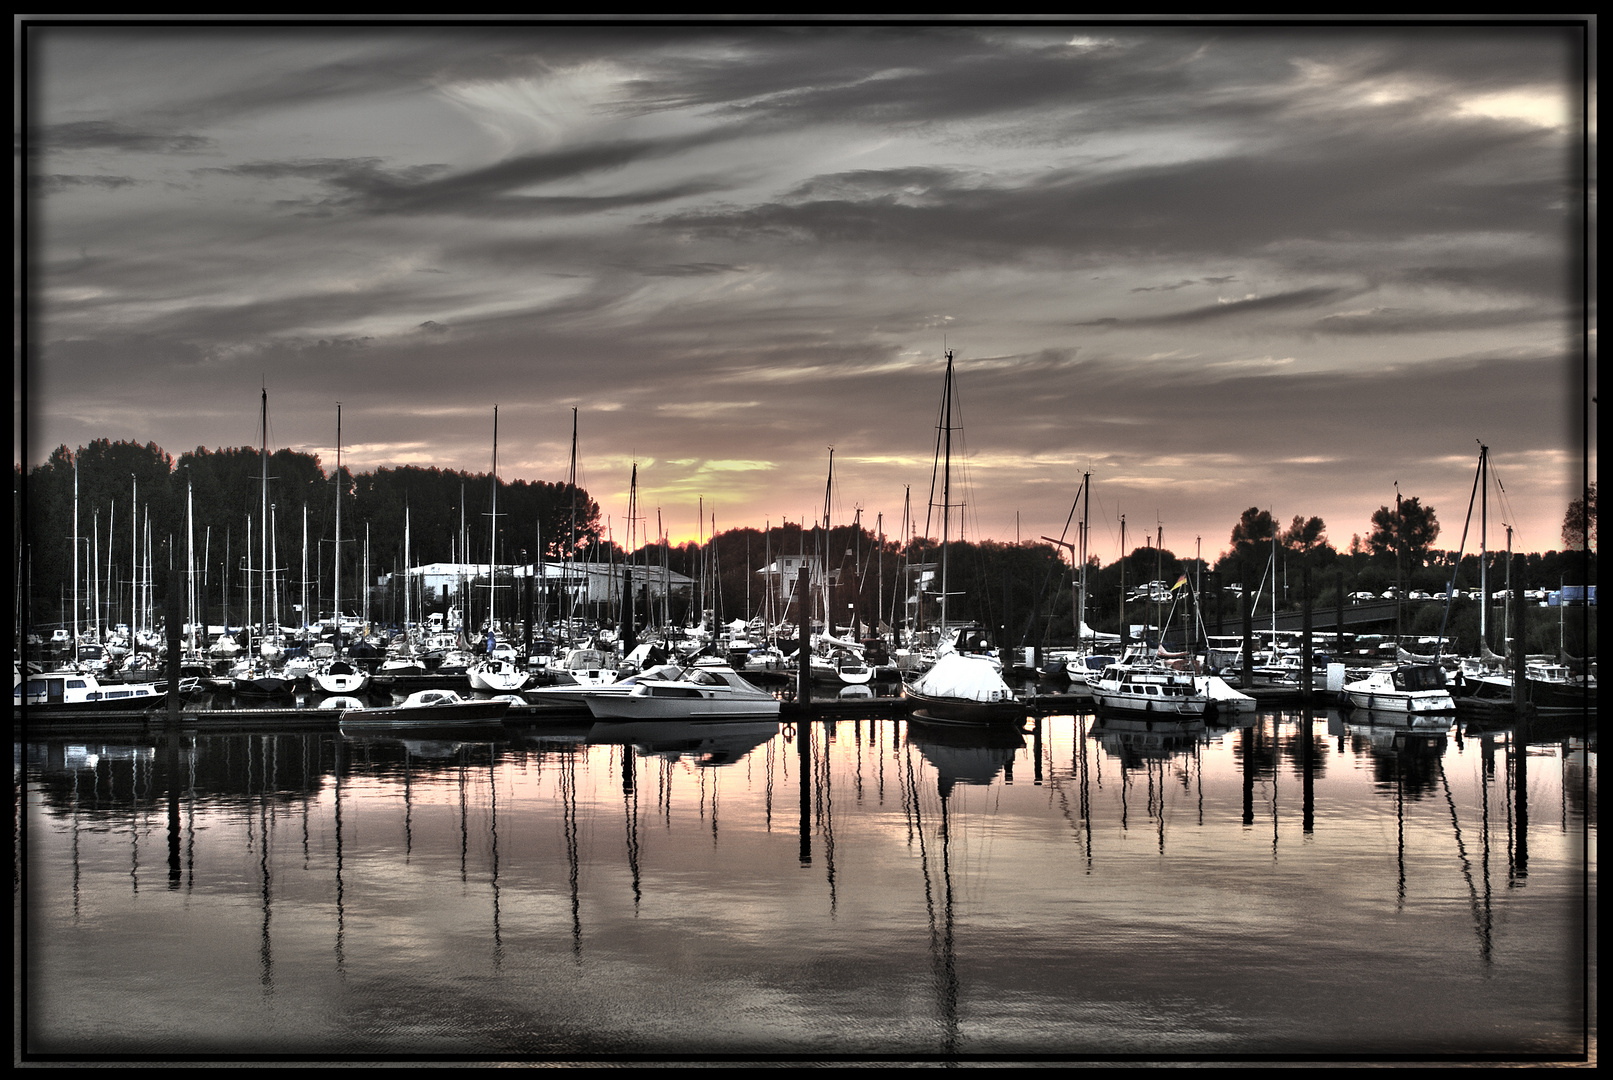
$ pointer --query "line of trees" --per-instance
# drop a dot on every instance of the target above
(226, 488)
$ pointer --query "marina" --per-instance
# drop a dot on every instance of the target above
(1086, 886)
(1010, 541)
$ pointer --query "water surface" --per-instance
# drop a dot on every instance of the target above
(1087, 888)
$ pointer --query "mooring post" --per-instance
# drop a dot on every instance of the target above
(1248, 626)
(171, 617)
(803, 654)
(1520, 681)
(1340, 643)
(1305, 661)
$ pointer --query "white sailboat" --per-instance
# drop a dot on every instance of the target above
(492, 674)
(960, 687)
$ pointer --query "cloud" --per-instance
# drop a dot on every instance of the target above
(59, 182)
(110, 135)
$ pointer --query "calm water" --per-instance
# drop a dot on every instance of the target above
(862, 888)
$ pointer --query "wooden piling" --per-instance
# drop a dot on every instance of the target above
(1305, 677)
(1520, 678)
(803, 653)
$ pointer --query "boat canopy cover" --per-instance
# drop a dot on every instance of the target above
(970, 678)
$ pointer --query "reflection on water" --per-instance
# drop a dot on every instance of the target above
(1088, 886)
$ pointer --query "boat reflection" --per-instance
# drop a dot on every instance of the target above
(706, 743)
(1133, 739)
(966, 754)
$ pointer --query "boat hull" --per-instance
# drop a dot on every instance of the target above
(636, 707)
(940, 710)
(459, 714)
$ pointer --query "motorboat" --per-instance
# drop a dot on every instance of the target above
(1405, 688)
(697, 694)
(575, 693)
(1152, 688)
(74, 691)
(427, 709)
(964, 689)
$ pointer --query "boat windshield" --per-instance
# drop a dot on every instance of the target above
(1420, 678)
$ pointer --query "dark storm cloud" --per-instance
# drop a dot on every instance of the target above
(369, 185)
(1264, 417)
(1294, 299)
(688, 269)
(1370, 187)
(107, 135)
(58, 182)
(1392, 320)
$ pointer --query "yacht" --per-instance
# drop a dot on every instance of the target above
(700, 693)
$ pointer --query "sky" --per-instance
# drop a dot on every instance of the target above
(1213, 265)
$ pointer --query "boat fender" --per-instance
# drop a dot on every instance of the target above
(1148, 706)
(1211, 711)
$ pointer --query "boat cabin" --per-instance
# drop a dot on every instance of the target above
(1420, 677)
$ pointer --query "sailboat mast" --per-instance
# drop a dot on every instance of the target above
(946, 487)
(1086, 507)
(274, 593)
(338, 558)
(95, 571)
(492, 543)
(571, 548)
(263, 457)
(75, 558)
(305, 566)
(1484, 557)
(190, 560)
(1125, 632)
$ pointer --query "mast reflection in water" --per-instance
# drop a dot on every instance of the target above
(1092, 886)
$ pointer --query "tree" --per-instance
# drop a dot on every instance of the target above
(1254, 527)
(1411, 531)
(1579, 525)
(1304, 536)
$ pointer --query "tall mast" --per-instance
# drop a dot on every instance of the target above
(1125, 632)
(248, 570)
(111, 582)
(274, 571)
(75, 558)
(571, 548)
(95, 572)
(190, 558)
(263, 591)
(1086, 506)
(134, 555)
(305, 566)
(1484, 535)
(946, 487)
(828, 490)
(492, 543)
(337, 581)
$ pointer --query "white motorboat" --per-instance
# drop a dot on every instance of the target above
(80, 690)
(427, 709)
(700, 693)
(576, 693)
(1407, 688)
(1156, 689)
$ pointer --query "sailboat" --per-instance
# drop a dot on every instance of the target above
(256, 676)
(337, 674)
(492, 674)
(961, 687)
